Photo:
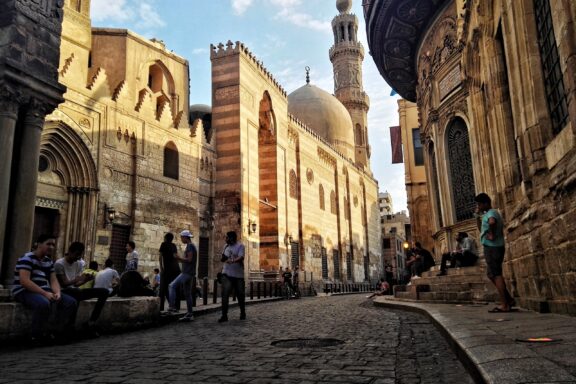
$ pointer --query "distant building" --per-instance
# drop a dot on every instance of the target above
(385, 204)
(395, 233)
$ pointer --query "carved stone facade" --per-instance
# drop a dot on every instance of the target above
(29, 89)
(482, 78)
(124, 158)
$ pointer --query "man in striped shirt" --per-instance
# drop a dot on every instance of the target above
(37, 288)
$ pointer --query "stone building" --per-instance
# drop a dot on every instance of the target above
(396, 236)
(292, 172)
(124, 157)
(29, 90)
(495, 86)
(415, 175)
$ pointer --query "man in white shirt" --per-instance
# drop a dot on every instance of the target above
(70, 276)
(108, 278)
(233, 275)
(465, 254)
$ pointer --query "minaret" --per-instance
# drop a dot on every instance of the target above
(346, 56)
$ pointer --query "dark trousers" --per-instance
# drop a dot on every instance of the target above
(90, 293)
(236, 284)
(41, 308)
(465, 259)
(417, 267)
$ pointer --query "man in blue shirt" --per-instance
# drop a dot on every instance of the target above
(492, 238)
(37, 288)
(185, 278)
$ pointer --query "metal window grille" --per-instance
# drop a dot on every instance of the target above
(349, 266)
(324, 264)
(553, 79)
(461, 175)
(295, 254)
(336, 259)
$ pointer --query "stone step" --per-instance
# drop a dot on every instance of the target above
(5, 295)
(455, 296)
(474, 270)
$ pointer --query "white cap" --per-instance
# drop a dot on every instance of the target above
(186, 233)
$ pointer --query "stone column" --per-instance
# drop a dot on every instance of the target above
(24, 182)
(8, 118)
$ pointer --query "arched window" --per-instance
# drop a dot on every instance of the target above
(333, 202)
(321, 197)
(171, 161)
(359, 135)
(460, 165)
(293, 185)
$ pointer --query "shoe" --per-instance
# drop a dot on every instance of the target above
(172, 310)
(186, 318)
(441, 273)
(242, 316)
(409, 283)
(223, 319)
(416, 277)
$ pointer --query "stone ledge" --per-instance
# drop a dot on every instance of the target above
(119, 314)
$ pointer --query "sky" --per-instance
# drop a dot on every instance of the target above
(286, 35)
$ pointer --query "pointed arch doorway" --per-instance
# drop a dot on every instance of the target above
(67, 194)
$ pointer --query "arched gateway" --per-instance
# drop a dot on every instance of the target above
(67, 196)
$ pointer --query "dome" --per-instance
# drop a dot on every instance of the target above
(344, 6)
(325, 115)
(199, 111)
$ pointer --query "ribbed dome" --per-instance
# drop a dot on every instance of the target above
(325, 115)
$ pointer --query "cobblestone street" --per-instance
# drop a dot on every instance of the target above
(380, 346)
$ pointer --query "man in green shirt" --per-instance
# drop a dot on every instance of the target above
(492, 238)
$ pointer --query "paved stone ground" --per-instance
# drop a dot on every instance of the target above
(381, 346)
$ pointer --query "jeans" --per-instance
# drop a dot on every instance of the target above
(236, 284)
(185, 280)
(41, 308)
(90, 293)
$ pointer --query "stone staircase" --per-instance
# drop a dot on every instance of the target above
(460, 285)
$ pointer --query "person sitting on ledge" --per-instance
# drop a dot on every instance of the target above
(465, 254)
(37, 288)
(71, 277)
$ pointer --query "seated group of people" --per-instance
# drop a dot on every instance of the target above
(43, 286)
(420, 260)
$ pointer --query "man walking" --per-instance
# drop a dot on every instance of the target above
(233, 275)
(185, 278)
(492, 238)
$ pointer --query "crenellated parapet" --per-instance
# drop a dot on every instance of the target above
(230, 49)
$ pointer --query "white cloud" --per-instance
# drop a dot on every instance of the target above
(199, 51)
(149, 17)
(303, 20)
(240, 6)
(115, 10)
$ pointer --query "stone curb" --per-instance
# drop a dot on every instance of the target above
(489, 354)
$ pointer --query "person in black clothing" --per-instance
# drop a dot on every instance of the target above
(296, 281)
(427, 258)
(287, 275)
(169, 268)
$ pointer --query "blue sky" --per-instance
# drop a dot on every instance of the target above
(287, 35)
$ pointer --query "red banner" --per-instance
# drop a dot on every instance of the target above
(396, 142)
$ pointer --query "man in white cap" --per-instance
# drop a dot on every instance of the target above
(185, 278)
